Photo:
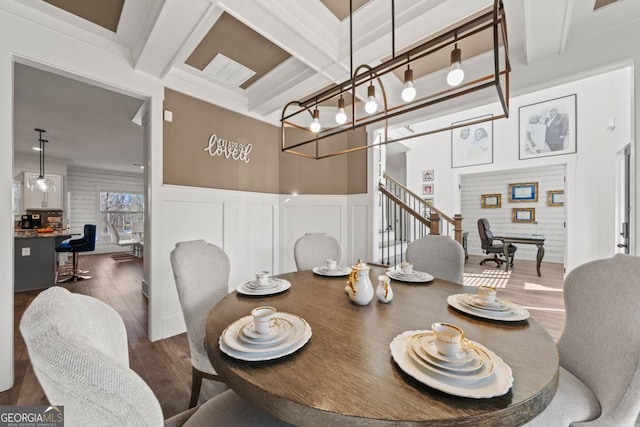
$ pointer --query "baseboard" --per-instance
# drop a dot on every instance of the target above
(145, 289)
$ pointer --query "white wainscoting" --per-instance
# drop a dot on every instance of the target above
(550, 220)
(256, 230)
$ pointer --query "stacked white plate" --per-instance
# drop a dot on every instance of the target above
(273, 286)
(414, 276)
(338, 271)
(288, 334)
(475, 372)
(500, 309)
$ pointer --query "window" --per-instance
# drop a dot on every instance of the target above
(121, 210)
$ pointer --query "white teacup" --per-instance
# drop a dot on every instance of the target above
(448, 338)
(262, 318)
(262, 277)
(406, 268)
(331, 264)
(487, 294)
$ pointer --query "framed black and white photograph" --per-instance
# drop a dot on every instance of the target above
(427, 175)
(491, 201)
(548, 128)
(555, 198)
(472, 145)
(523, 215)
(427, 189)
(524, 192)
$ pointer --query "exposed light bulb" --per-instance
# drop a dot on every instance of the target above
(371, 105)
(456, 74)
(315, 124)
(341, 116)
(409, 92)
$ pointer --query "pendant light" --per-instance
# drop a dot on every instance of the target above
(341, 116)
(409, 92)
(456, 73)
(371, 106)
(315, 123)
(41, 183)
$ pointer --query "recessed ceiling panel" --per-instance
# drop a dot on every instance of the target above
(105, 13)
(236, 41)
(340, 8)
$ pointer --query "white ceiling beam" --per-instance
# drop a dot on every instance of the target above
(547, 24)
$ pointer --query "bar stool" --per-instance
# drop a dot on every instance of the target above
(86, 243)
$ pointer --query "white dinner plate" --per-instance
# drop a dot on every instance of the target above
(283, 285)
(483, 364)
(496, 384)
(468, 359)
(230, 334)
(499, 306)
(518, 313)
(272, 353)
(416, 276)
(282, 331)
(338, 271)
(255, 285)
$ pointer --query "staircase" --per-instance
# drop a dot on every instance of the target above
(406, 217)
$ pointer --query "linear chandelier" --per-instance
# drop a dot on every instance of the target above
(320, 126)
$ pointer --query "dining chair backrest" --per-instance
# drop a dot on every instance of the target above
(440, 256)
(201, 273)
(78, 348)
(313, 249)
(600, 344)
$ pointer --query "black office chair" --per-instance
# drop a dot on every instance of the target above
(489, 247)
(86, 243)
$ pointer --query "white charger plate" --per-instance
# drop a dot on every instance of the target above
(517, 314)
(496, 384)
(338, 271)
(270, 354)
(415, 277)
(283, 285)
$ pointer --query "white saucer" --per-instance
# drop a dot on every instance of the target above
(255, 285)
(282, 285)
(496, 384)
(338, 271)
(517, 314)
(279, 333)
(483, 368)
(416, 276)
(231, 347)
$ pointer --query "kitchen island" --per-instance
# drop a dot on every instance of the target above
(35, 259)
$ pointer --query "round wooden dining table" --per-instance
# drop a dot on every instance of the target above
(345, 374)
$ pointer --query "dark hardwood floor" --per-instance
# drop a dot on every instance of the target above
(165, 365)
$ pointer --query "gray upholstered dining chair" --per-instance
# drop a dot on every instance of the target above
(201, 273)
(440, 256)
(78, 348)
(312, 249)
(599, 347)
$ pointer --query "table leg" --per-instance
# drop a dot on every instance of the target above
(539, 257)
(505, 251)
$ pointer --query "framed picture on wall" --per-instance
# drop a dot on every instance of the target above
(555, 198)
(525, 192)
(427, 189)
(473, 144)
(429, 201)
(548, 128)
(523, 215)
(491, 201)
(427, 175)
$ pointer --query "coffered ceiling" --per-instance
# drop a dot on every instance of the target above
(261, 54)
